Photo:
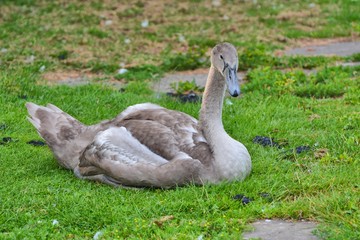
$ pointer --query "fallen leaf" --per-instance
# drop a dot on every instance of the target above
(320, 153)
(314, 116)
(159, 222)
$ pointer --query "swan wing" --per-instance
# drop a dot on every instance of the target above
(170, 134)
(118, 158)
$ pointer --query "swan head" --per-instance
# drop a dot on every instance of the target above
(224, 58)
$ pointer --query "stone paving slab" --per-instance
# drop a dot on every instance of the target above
(282, 230)
(333, 49)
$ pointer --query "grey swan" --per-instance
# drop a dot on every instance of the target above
(150, 146)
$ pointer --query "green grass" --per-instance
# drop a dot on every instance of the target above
(329, 82)
(319, 110)
(37, 191)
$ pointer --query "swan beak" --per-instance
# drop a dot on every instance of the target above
(232, 82)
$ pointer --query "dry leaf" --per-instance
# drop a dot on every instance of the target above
(163, 219)
(320, 153)
(314, 116)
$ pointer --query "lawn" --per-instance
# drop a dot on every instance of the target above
(319, 111)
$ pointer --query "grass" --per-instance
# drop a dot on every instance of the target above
(38, 199)
(36, 191)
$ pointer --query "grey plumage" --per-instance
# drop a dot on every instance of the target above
(150, 146)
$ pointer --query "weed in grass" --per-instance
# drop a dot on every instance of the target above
(353, 58)
(186, 87)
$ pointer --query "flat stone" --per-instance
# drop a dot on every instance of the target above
(282, 230)
(332, 49)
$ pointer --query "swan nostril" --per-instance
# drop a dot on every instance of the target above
(235, 94)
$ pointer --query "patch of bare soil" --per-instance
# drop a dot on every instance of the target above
(63, 75)
(72, 77)
(287, 15)
(305, 42)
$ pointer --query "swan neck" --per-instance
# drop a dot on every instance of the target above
(212, 103)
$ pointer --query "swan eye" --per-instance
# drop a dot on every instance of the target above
(221, 57)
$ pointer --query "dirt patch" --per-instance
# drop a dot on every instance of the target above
(305, 42)
(63, 75)
(71, 77)
(287, 15)
(154, 8)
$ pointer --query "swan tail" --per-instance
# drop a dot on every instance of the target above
(60, 131)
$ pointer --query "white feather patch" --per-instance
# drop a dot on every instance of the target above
(189, 128)
(200, 138)
(127, 148)
(138, 107)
